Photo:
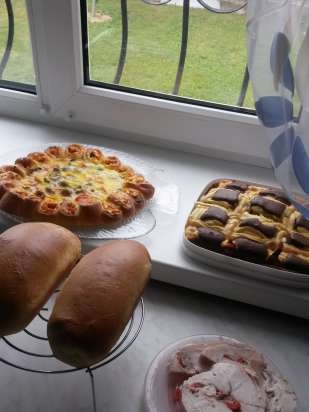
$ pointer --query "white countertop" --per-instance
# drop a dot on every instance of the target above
(171, 312)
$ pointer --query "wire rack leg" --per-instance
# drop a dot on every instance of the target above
(94, 400)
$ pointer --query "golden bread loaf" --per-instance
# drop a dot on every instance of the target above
(34, 259)
(97, 301)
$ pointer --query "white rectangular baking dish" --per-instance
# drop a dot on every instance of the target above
(249, 269)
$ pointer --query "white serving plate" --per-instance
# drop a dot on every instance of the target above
(156, 389)
(249, 269)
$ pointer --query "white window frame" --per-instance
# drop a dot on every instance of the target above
(63, 99)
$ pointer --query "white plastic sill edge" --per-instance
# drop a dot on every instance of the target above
(216, 133)
(191, 173)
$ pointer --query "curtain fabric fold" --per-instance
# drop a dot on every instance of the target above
(278, 62)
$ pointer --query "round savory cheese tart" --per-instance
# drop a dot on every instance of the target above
(74, 186)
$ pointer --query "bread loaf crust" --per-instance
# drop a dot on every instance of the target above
(97, 301)
(34, 259)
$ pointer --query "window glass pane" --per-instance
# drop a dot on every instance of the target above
(183, 48)
(16, 68)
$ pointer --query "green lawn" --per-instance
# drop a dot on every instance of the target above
(20, 65)
(216, 54)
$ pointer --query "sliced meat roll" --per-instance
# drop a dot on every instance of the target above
(225, 387)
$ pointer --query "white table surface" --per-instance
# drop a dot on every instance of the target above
(171, 313)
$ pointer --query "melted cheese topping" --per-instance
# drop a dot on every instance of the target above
(64, 178)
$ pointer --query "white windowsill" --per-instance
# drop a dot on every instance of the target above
(190, 173)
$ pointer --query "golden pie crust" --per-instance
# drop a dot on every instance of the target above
(74, 186)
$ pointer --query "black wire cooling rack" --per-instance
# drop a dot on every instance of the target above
(128, 337)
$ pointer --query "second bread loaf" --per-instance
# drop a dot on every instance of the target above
(97, 301)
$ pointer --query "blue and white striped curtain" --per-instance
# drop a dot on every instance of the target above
(278, 61)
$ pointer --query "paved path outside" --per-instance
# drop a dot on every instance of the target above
(196, 4)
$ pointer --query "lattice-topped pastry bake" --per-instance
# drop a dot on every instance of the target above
(251, 222)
